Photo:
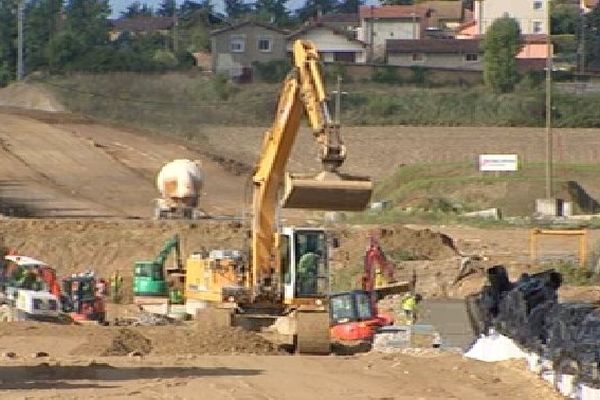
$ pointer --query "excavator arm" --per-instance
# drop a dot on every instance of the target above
(303, 91)
(170, 245)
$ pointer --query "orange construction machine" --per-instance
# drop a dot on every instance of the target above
(354, 315)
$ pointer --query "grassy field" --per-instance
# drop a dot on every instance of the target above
(453, 188)
(180, 102)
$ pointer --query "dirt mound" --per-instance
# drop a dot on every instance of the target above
(30, 96)
(206, 339)
(398, 242)
(127, 341)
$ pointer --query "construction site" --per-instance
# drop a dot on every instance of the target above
(150, 266)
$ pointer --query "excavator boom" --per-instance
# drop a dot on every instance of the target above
(303, 92)
(328, 190)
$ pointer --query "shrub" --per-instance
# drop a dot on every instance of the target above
(419, 75)
(387, 74)
(165, 59)
(272, 71)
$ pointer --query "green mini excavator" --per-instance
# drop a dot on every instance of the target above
(154, 279)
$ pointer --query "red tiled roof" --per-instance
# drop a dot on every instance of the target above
(339, 17)
(254, 23)
(391, 12)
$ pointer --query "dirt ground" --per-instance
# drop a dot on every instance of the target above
(416, 375)
(57, 168)
(89, 181)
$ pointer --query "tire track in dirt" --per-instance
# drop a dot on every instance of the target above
(46, 179)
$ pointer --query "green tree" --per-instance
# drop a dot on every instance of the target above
(237, 8)
(137, 9)
(8, 40)
(188, 7)
(591, 31)
(349, 6)
(273, 11)
(167, 8)
(501, 45)
(42, 18)
(312, 8)
(85, 28)
(565, 19)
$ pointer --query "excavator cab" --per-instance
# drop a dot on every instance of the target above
(304, 266)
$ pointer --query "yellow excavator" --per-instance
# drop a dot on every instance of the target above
(286, 281)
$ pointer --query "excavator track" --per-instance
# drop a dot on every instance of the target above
(312, 332)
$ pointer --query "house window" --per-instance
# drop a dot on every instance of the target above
(538, 4)
(472, 57)
(537, 26)
(349, 57)
(237, 44)
(265, 45)
(418, 57)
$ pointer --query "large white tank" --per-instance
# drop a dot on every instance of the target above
(180, 181)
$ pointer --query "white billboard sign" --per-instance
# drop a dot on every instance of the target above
(498, 162)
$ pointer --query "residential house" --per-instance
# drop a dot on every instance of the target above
(344, 22)
(434, 19)
(588, 5)
(435, 53)
(530, 14)
(235, 48)
(462, 54)
(443, 14)
(333, 45)
(379, 24)
(142, 25)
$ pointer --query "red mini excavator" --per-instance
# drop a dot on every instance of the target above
(353, 314)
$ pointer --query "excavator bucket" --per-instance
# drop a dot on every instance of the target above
(392, 288)
(327, 191)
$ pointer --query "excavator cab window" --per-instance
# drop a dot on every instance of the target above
(311, 263)
(284, 247)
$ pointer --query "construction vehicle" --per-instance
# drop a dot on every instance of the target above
(81, 300)
(153, 281)
(179, 183)
(287, 278)
(354, 314)
(29, 290)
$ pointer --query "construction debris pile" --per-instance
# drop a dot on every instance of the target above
(563, 340)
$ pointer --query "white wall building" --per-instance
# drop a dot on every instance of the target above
(530, 14)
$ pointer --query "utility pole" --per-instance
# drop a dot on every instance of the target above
(549, 138)
(175, 28)
(414, 15)
(20, 65)
(582, 46)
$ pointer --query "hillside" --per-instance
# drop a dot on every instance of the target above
(458, 187)
(180, 102)
(413, 166)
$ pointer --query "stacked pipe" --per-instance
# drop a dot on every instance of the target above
(565, 336)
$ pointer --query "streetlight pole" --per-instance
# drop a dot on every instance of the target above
(549, 138)
(20, 65)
